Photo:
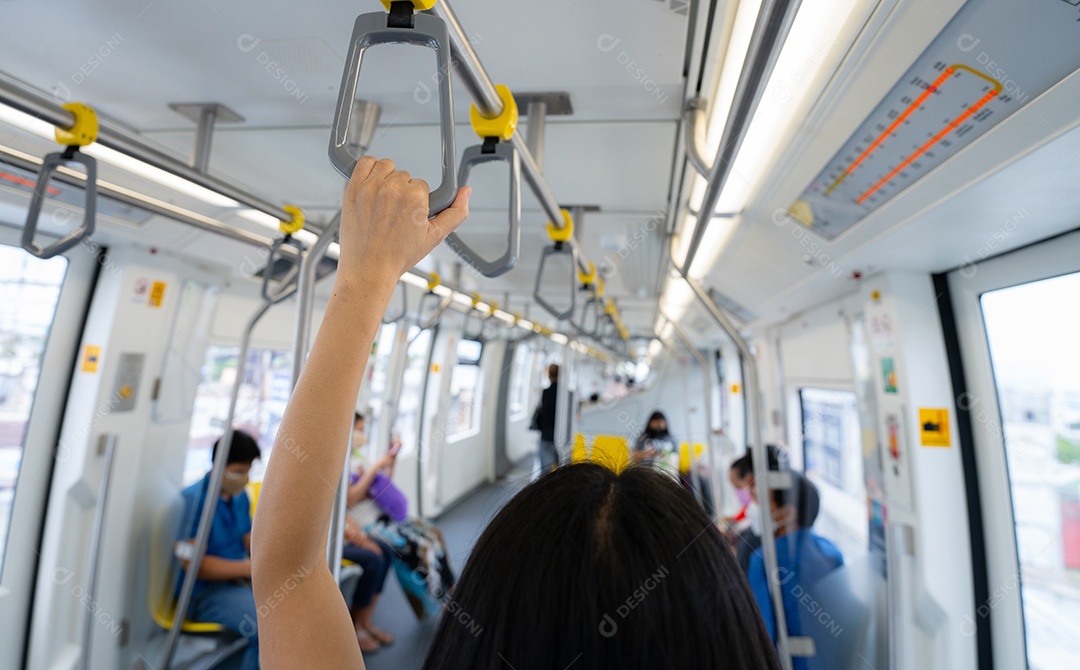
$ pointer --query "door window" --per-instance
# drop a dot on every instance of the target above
(29, 290)
(1032, 332)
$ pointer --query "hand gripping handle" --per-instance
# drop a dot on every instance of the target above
(372, 30)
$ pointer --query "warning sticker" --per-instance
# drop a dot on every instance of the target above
(157, 294)
(934, 427)
(91, 356)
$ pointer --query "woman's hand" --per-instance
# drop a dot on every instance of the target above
(385, 227)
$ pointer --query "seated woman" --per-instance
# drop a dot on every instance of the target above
(584, 568)
(415, 548)
(655, 446)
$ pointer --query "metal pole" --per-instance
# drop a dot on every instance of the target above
(213, 493)
(23, 97)
(534, 137)
(762, 477)
(714, 474)
(204, 135)
(770, 31)
(695, 136)
(305, 295)
(305, 304)
(477, 82)
(33, 164)
(562, 404)
(108, 444)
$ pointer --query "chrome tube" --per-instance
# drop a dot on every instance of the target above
(305, 295)
(770, 31)
(25, 98)
(108, 444)
(204, 137)
(694, 137)
(760, 459)
(536, 131)
(213, 492)
(563, 402)
(714, 478)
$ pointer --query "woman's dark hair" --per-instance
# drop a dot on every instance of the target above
(596, 570)
(744, 465)
(656, 415)
(804, 495)
(244, 449)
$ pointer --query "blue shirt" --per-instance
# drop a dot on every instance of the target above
(232, 521)
(802, 560)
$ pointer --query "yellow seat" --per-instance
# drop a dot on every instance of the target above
(611, 451)
(253, 489)
(160, 593)
(578, 453)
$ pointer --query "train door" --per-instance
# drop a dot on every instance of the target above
(44, 305)
(1017, 322)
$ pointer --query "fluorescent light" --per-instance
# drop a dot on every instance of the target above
(414, 280)
(46, 130)
(261, 218)
(676, 298)
(655, 346)
(559, 338)
(667, 331)
(734, 57)
(717, 235)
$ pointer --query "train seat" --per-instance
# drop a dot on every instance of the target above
(579, 451)
(611, 451)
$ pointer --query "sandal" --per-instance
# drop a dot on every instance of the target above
(384, 638)
(369, 644)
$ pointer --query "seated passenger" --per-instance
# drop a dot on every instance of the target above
(584, 568)
(744, 531)
(655, 446)
(379, 509)
(223, 591)
(803, 558)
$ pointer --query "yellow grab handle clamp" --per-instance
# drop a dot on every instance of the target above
(503, 125)
(566, 233)
(296, 223)
(434, 281)
(85, 129)
(609, 307)
(589, 278)
(419, 5)
(493, 306)
(517, 318)
(476, 299)
(600, 287)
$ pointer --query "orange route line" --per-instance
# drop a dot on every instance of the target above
(934, 140)
(888, 131)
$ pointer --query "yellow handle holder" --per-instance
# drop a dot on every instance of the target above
(517, 319)
(476, 299)
(85, 129)
(419, 5)
(566, 233)
(296, 221)
(609, 308)
(600, 287)
(494, 306)
(501, 126)
(587, 278)
(434, 281)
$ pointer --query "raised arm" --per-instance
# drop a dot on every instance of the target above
(303, 620)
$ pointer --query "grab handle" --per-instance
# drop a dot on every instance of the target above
(489, 152)
(284, 288)
(395, 316)
(377, 28)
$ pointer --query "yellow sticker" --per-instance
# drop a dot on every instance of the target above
(91, 355)
(434, 367)
(734, 388)
(157, 294)
(934, 427)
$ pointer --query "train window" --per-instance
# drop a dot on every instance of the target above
(263, 396)
(29, 290)
(380, 366)
(407, 421)
(465, 390)
(1032, 331)
(520, 368)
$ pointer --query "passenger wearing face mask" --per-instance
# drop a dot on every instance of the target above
(744, 528)
(223, 590)
(655, 446)
(803, 559)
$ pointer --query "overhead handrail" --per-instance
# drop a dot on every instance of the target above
(286, 286)
(402, 25)
(82, 133)
(695, 135)
(561, 238)
(495, 133)
(389, 317)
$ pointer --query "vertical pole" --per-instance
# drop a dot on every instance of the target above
(108, 444)
(562, 405)
(213, 493)
(536, 130)
(204, 136)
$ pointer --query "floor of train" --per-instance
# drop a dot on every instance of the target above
(461, 527)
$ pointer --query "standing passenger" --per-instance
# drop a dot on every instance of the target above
(223, 591)
(544, 420)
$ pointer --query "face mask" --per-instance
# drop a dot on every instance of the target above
(359, 439)
(233, 483)
(743, 496)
